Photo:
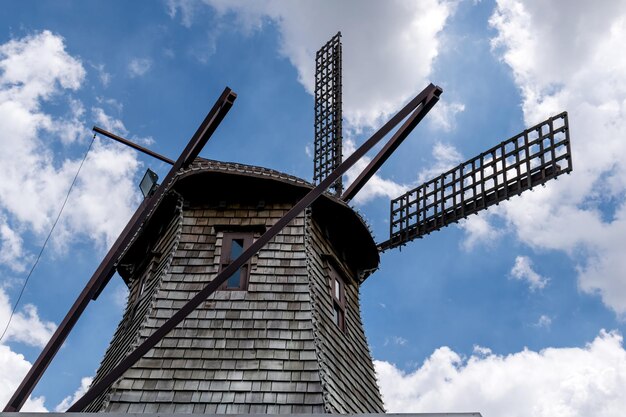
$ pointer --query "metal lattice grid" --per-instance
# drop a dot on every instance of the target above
(528, 159)
(328, 113)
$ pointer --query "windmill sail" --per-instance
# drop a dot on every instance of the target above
(528, 159)
(328, 113)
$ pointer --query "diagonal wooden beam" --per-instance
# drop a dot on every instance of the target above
(211, 287)
(431, 96)
(105, 271)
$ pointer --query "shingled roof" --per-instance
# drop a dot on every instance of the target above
(220, 182)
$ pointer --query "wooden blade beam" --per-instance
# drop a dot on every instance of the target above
(528, 159)
(431, 97)
(132, 145)
(211, 287)
(105, 271)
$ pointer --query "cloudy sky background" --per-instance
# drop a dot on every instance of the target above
(518, 311)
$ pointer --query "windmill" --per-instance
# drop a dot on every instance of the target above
(245, 299)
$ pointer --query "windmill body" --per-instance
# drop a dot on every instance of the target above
(284, 335)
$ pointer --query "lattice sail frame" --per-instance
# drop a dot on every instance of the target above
(520, 163)
(328, 112)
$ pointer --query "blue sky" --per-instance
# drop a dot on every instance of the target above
(522, 304)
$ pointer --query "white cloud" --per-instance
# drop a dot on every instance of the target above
(482, 351)
(443, 115)
(376, 186)
(445, 157)
(557, 66)
(108, 172)
(186, 8)
(139, 66)
(389, 47)
(13, 368)
(69, 128)
(85, 383)
(103, 75)
(523, 271)
(544, 322)
(553, 382)
(144, 140)
(11, 248)
(395, 340)
(34, 179)
(24, 158)
(33, 68)
(478, 231)
(110, 103)
(26, 326)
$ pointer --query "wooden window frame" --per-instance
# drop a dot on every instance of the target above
(140, 289)
(225, 258)
(338, 296)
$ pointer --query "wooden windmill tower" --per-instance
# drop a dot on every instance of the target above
(244, 281)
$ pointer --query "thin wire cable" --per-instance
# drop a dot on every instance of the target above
(17, 302)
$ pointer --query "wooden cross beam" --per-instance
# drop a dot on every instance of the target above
(416, 109)
(133, 145)
(105, 271)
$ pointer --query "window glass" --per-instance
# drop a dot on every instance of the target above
(233, 245)
(236, 249)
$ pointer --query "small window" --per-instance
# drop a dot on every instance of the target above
(233, 245)
(338, 292)
(140, 289)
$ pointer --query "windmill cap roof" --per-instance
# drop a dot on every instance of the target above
(217, 181)
(348, 231)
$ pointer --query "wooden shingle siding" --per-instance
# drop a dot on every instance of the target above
(348, 376)
(273, 348)
(241, 351)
